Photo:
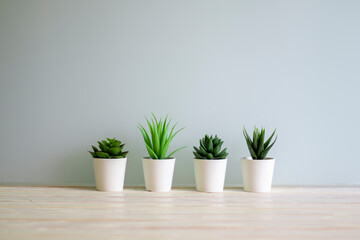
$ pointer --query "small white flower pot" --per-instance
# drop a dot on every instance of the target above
(158, 174)
(210, 174)
(257, 174)
(109, 174)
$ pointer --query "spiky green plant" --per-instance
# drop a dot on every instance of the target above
(210, 148)
(109, 148)
(158, 141)
(257, 147)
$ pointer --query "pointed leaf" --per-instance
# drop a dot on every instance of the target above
(93, 154)
(222, 152)
(202, 143)
(269, 139)
(266, 151)
(217, 150)
(102, 155)
(198, 156)
(94, 148)
(261, 142)
(145, 135)
(115, 143)
(249, 144)
(255, 139)
(209, 156)
(202, 151)
(209, 146)
(103, 147)
(114, 151)
(151, 152)
(175, 151)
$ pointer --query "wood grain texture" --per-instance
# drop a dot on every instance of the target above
(84, 213)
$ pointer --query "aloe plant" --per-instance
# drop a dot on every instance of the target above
(210, 148)
(158, 141)
(109, 148)
(258, 147)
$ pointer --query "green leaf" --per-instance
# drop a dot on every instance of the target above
(123, 154)
(145, 135)
(175, 151)
(222, 152)
(165, 149)
(266, 151)
(261, 142)
(121, 146)
(155, 119)
(198, 156)
(202, 151)
(103, 147)
(249, 144)
(114, 151)
(167, 144)
(255, 139)
(223, 156)
(247, 136)
(159, 139)
(209, 146)
(93, 154)
(156, 143)
(202, 143)
(209, 156)
(151, 152)
(163, 135)
(172, 130)
(216, 141)
(102, 155)
(207, 139)
(151, 131)
(269, 139)
(115, 143)
(217, 150)
(94, 148)
(196, 149)
(173, 135)
(105, 143)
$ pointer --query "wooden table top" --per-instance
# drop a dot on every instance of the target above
(84, 213)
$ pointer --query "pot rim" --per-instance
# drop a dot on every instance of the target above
(165, 159)
(250, 159)
(211, 160)
(107, 159)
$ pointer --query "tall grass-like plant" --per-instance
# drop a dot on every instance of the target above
(158, 139)
(258, 147)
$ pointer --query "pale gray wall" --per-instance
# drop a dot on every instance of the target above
(73, 72)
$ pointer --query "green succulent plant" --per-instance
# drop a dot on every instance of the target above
(109, 148)
(158, 141)
(210, 148)
(258, 147)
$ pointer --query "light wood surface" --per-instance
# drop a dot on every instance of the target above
(83, 213)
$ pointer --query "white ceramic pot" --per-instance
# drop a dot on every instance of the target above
(109, 174)
(158, 174)
(210, 174)
(257, 174)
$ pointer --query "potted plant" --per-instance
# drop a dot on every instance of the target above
(109, 165)
(258, 169)
(210, 165)
(158, 166)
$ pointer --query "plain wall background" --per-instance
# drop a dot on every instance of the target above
(74, 72)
